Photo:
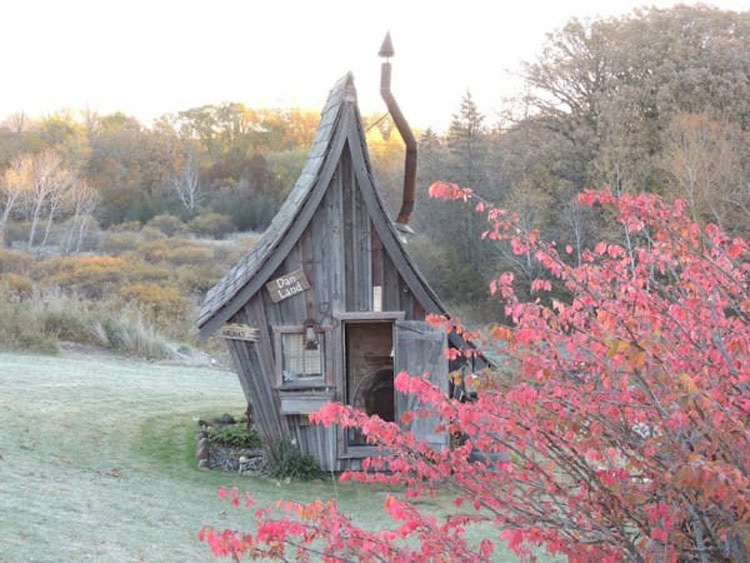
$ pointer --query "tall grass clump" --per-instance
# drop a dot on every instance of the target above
(49, 316)
(20, 329)
(287, 462)
(142, 290)
(65, 317)
(128, 334)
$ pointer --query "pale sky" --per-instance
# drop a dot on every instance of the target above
(147, 58)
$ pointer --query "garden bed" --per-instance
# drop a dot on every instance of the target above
(226, 444)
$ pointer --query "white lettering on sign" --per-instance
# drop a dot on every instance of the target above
(288, 285)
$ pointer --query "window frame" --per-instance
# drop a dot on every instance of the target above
(326, 377)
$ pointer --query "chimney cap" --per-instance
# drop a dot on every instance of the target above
(386, 49)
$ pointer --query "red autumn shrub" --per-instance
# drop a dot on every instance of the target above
(616, 426)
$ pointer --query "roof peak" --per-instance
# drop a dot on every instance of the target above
(345, 85)
(342, 97)
(340, 127)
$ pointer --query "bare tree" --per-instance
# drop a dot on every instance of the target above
(702, 157)
(58, 199)
(83, 202)
(92, 122)
(49, 177)
(186, 183)
(531, 201)
(576, 218)
(17, 123)
(15, 186)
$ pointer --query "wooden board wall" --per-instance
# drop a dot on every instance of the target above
(342, 257)
(419, 349)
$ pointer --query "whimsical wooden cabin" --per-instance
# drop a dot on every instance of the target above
(328, 305)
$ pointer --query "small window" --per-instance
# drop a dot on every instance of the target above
(303, 358)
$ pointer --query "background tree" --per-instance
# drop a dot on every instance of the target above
(614, 84)
(48, 180)
(57, 198)
(186, 182)
(15, 187)
(83, 202)
(466, 142)
(703, 159)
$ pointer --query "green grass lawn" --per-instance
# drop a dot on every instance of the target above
(98, 461)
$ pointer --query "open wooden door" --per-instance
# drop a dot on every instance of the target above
(420, 348)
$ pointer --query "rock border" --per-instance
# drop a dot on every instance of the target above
(211, 455)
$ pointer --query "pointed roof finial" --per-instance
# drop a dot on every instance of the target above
(386, 49)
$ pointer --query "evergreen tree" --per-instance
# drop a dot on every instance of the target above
(430, 168)
(467, 143)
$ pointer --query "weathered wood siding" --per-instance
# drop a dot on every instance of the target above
(420, 348)
(258, 391)
(335, 228)
(316, 440)
(357, 243)
(343, 257)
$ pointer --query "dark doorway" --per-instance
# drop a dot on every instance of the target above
(369, 372)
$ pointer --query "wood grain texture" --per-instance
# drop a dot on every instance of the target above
(350, 250)
(269, 422)
(420, 350)
(362, 250)
(382, 224)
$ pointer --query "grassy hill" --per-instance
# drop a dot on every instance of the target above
(98, 461)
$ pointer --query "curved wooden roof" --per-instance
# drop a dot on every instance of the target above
(340, 126)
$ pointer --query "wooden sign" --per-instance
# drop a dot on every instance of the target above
(235, 331)
(288, 285)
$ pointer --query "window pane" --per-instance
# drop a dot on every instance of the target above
(299, 362)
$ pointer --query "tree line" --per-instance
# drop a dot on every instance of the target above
(228, 159)
(656, 100)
